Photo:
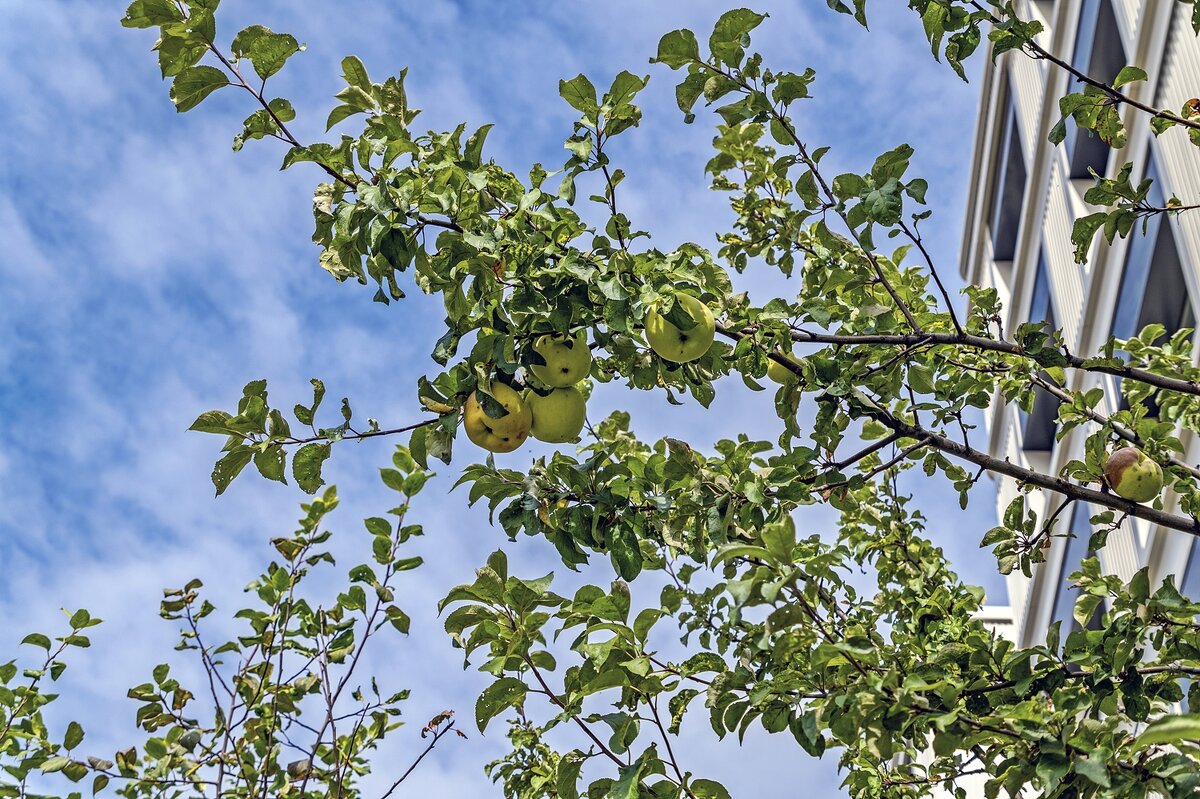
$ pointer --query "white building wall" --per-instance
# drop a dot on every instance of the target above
(1158, 37)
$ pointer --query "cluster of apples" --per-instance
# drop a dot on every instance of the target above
(558, 415)
(554, 417)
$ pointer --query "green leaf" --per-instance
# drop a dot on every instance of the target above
(398, 619)
(1170, 730)
(75, 771)
(55, 764)
(1129, 75)
(920, 378)
(1094, 769)
(738, 111)
(1083, 231)
(790, 87)
(73, 736)
(630, 777)
(148, 13)
(177, 53)
(677, 48)
(567, 779)
(230, 466)
(271, 463)
(1058, 133)
(731, 34)
(306, 466)
(580, 94)
(934, 21)
(1159, 124)
(268, 51)
(688, 91)
(305, 415)
(916, 189)
(37, 639)
(212, 422)
(261, 124)
(892, 164)
(473, 150)
(355, 73)
(626, 555)
(625, 87)
(193, 84)
(499, 696)
(440, 440)
(707, 789)
(417, 447)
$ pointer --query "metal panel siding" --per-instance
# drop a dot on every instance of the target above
(1178, 159)
(1129, 15)
(1027, 86)
(1066, 276)
(1122, 554)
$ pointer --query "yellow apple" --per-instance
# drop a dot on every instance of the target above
(505, 433)
(568, 359)
(1131, 474)
(780, 373)
(557, 417)
(677, 345)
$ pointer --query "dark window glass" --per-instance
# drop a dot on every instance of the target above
(1189, 586)
(1152, 286)
(1100, 55)
(1153, 289)
(1165, 298)
(1039, 424)
(1010, 191)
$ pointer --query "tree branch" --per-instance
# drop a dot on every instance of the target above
(949, 446)
(983, 343)
(1041, 53)
(437, 736)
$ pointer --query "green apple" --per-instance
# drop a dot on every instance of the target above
(558, 416)
(780, 373)
(503, 434)
(674, 344)
(1131, 474)
(567, 360)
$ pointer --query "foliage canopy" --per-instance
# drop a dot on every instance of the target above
(910, 688)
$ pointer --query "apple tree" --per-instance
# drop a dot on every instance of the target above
(902, 683)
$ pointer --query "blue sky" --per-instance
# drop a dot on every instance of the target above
(149, 272)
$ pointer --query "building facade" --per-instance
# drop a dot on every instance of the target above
(1023, 198)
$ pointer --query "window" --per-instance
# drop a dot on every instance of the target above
(1189, 586)
(1040, 424)
(1077, 550)
(1010, 192)
(1100, 55)
(1153, 289)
